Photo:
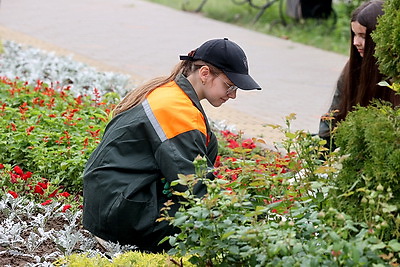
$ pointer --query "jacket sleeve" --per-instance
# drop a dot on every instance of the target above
(175, 156)
(324, 125)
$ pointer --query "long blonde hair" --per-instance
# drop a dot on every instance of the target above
(137, 95)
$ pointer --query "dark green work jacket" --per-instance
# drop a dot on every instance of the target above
(141, 149)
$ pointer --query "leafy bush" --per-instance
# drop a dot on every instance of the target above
(368, 185)
(271, 211)
(49, 131)
(387, 39)
(228, 227)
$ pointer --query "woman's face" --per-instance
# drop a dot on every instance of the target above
(221, 90)
(359, 36)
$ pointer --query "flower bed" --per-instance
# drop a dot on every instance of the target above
(263, 208)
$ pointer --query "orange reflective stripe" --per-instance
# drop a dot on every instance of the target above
(174, 111)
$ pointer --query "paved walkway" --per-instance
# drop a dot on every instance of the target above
(144, 40)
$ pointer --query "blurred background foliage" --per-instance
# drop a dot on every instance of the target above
(331, 33)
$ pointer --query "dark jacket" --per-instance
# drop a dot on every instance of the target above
(142, 148)
(326, 126)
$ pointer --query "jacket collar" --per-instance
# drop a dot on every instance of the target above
(187, 87)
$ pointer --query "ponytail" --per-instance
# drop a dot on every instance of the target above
(137, 95)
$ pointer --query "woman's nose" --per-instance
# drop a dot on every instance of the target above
(356, 41)
(232, 94)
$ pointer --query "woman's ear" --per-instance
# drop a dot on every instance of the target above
(204, 72)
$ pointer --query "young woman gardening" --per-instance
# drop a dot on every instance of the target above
(157, 131)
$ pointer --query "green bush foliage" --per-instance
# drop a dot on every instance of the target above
(229, 227)
(387, 39)
(368, 185)
(271, 211)
(49, 131)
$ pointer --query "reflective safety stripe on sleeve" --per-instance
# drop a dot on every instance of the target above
(157, 127)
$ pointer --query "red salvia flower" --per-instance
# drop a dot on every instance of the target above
(217, 161)
(43, 185)
(38, 190)
(3, 107)
(13, 178)
(26, 176)
(47, 202)
(95, 133)
(1, 166)
(54, 193)
(13, 127)
(228, 133)
(233, 143)
(14, 194)
(64, 194)
(78, 100)
(66, 207)
(30, 129)
(18, 170)
(248, 143)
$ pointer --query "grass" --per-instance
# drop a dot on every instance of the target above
(324, 34)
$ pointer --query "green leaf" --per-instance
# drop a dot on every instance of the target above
(334, 236)
(180, 220)
(290, 135)
(226, 235)
(355, 254)
(394, 245)
(378, 246)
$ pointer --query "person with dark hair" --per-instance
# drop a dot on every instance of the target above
(358, 82)
(157, 131)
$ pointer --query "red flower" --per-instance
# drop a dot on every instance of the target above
(233, 143)
(47, 202)
(1, 166)
(18, 170)
(66, 207)
(228, 133)
(38, 190)
(42, 185)
(13, 178)
(64, 194)
(217, 161)
(30, 129)
(95, 133)
(26, 176)
(14, 195)
(248, 143)
(13, 127)
(54, 193)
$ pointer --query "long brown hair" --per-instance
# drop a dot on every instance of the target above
(361, 75)
(137, 95)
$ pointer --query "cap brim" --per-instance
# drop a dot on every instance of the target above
(243, 81)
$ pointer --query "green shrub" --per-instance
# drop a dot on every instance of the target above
(387, 39)
(271, 212)
(229, 227)
(368, 185)
(49, 131)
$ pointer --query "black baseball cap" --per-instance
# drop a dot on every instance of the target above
(229, 58)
